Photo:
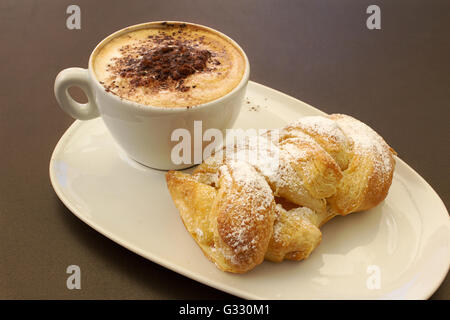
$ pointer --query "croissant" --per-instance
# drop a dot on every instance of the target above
(267, 197)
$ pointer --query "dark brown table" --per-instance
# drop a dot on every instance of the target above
(396, 79)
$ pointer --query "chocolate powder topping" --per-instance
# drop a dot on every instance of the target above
(162, 61)
(177, 62)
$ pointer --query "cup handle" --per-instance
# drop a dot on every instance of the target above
(75, 77)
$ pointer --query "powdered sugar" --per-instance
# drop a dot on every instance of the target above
(366, 142)
(253, 186)
(249, 190)
(321, 126)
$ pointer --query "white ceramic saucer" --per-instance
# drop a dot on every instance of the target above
(399, 250)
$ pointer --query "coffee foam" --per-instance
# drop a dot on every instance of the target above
(224, 72)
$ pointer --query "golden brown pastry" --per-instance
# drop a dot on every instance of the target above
(267, 197)
(368, 177)
(232, 224)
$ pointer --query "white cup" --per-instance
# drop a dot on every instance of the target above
(142, 131)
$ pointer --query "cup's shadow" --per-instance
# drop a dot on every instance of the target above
(140, 166)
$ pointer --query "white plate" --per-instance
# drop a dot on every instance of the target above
(398, 250)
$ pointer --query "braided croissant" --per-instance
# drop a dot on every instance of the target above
(267, 200)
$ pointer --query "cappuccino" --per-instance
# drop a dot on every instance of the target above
(170, 65)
